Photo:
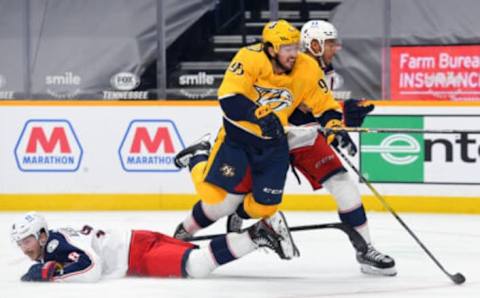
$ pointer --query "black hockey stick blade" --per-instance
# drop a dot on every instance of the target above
(458, 278)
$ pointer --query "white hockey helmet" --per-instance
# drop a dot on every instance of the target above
(31, 223)
(319, 30)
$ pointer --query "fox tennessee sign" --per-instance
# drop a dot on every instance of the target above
(48, 145)
(150, 146)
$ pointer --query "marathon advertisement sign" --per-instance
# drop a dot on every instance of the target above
(421, 158)
(99, 148)
(435, 73)
(150, 146)
(48, 146)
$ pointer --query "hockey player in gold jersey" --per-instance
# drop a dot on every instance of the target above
(246, 169)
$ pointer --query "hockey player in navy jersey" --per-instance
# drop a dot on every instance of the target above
(319, 163)
(88, 255)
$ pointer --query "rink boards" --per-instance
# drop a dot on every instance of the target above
(91, 155)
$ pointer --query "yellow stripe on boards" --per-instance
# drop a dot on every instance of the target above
(94, 202)
(398, 203)
(126, 202)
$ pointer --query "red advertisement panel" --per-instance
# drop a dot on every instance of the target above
(435, 73)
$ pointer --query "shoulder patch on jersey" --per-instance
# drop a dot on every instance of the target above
(52, 245)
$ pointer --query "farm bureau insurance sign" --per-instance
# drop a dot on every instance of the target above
(435, 73)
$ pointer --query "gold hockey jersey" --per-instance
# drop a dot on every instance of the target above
(250, 73)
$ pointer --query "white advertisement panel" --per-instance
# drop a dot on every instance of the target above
(128, 149)
(105, 149)
(449, 158)
(453, 158)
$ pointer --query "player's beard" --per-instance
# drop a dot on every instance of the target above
(285, 69)
(33, 255)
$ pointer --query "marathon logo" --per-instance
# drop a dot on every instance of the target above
(150, 146)
(48, 146)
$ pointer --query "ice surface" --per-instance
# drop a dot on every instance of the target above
(326, 268)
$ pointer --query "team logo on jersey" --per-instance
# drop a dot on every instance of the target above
(277, 99)
(52, 245)
(150, 146)
(48, 146)
(227, 170)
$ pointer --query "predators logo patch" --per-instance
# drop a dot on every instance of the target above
(227, 170)
(276, 99)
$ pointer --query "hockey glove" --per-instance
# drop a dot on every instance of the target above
(41, 271)
(269, 123)
(340, 137)
(355, 111)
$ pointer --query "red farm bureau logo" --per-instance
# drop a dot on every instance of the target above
(150, 146)
(48, 146)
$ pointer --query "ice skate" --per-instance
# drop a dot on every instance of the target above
(376, 263)
(181, 234)
(200, 147)
(264, 236)
(279, 224)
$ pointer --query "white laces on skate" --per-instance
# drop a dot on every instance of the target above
(376, 263)
(375, 255)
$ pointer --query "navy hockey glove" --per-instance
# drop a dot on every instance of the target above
(41, 271)
(355, 111)
(269, 123)
(340, 137)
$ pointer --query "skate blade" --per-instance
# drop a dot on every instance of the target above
(288, 246)
(371, 270)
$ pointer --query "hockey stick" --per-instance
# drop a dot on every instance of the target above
(457, 278)
(357, 240)
(396, 130)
